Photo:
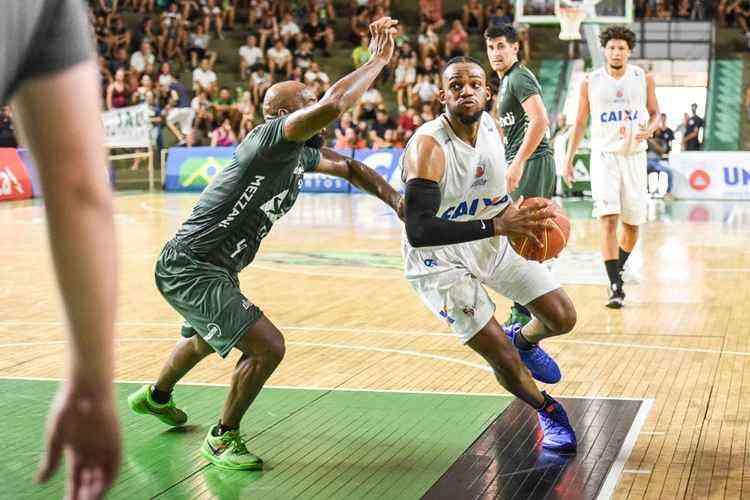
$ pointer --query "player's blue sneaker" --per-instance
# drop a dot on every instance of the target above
(559, 436)
(540, 364)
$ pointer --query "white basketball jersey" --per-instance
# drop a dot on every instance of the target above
(473, 183)
(618, 109)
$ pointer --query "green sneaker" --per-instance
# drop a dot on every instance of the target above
(141, 402)
(516, 316)
(229, 452)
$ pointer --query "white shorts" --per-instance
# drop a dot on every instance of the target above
(450, 280)
(619, 185)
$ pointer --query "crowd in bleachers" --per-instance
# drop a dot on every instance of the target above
(284, 40)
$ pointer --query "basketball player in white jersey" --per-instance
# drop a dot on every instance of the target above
(621, 100)
(458, 217)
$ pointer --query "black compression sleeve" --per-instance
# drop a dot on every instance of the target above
(423, 228)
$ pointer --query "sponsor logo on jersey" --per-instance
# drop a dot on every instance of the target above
(508, 119)
(431, 262)
(246, 304)
(618, 116)
(479, 176)
(213, 331)
(470, 207)
(241, 245)
(444, 314)
(469, 311)
(242, 202)
(276, 207)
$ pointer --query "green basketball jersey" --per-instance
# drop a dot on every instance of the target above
(517, 85)
(237, 210)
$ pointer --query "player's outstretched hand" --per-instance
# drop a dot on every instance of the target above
(85, 427)
(568, 174)
(517, 221)
(382, 38)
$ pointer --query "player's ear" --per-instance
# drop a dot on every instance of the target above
(442, 97)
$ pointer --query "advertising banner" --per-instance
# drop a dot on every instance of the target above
(321, 183)
(127, 127)
(718, 175)
(191, 169)
(384, 162)
(14, 180)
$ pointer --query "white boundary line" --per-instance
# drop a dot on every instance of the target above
(616, 469)
(342, 389)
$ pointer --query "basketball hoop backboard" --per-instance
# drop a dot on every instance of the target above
(601, 12)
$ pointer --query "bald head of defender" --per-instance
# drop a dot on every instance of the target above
(284, 98)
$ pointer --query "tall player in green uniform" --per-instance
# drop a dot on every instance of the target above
(197, 270)
(524, 124)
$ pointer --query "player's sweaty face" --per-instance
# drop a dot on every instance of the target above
(464, 89)
(501, 53)
(617, 53)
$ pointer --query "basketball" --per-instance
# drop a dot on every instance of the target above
(554, 236)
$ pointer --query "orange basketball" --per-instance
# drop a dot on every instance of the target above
(554, 236)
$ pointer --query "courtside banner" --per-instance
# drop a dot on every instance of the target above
(127, 127)
(717, 175)
(33, 173)
(192, 169)
(15, 183)
(384, 162)
(322, 183)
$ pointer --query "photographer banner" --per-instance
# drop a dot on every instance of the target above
(127, 127)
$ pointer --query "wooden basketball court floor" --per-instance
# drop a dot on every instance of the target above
(375, 398)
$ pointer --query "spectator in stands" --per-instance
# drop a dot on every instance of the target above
(407, 123)
(145, 33)
(320, 33)
(258, 9)
(200, 102)
(145, 87)
(360, 25)
(198, 47)
(406, 77)
(223, 136)
(382, 123)
(429, 68)
(174, 37)
(268, 29)
(225, 106)
(104, 75)
(427, 41)
(212, 13)
(747, 102)
(279, 61)
(350, 140)
(371, 100)
(119, 35)
(456, 41)
(290, 32)
(691, 139)
(142, 58)
(663, 10)
(118, 93)
(7, 131)
(250, 55)
(102, 36)
(361, 54)
(204, 78)
(342, 125)
(317, 79)
(428, 112)
(657, 155)
(473, 16)
(424, 92)
(432, 13)
(740, 11)
(683, 9)
(303, 56)
(119, 60)
(165, 75)
(260, 81)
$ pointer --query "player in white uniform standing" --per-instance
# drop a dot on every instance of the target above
(458, 216)
(621, 100)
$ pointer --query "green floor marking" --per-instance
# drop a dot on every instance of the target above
(316, 444)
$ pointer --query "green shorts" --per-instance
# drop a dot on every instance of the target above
(539, 178)
(207, 296)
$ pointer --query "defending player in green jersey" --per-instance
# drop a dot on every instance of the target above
(525, 127)
(197, 270)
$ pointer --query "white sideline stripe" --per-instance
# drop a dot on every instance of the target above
(636, 471)
(335, 389)
(617, 468)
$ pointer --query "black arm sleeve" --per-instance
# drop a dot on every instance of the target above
(423, 228)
